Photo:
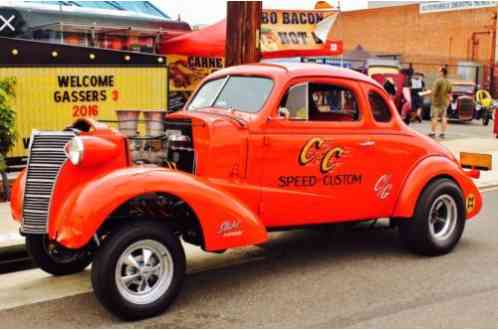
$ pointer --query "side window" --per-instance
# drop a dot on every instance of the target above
(332, 103)
(379, 107)
(321, 102)
(296, 102)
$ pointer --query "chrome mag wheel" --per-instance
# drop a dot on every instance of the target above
(144, 272)
(443, 217)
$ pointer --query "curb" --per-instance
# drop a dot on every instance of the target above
(488, 187)
(7, 251)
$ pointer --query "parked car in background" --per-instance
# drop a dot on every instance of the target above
(485, 106)
(462, 105)
(382, 69)
(397, 80)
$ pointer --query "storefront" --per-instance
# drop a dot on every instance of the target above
(461, 35)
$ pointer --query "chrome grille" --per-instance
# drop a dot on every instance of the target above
(46, 157)
(466, 107)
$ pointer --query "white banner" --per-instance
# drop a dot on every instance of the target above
(439, 6)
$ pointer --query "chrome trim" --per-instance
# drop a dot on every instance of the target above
(144, 272)
(45, 149)
(44, 165)
(41, 178)
(34, 211)
(42, 196)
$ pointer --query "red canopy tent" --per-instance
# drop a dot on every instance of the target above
(210, 42)
(207, 42)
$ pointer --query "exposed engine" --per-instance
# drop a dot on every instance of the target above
(179, 147)
(166, 143)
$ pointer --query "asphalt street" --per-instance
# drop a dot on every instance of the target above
(312, 278)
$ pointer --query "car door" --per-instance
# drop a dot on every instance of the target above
(313, 165)
(393, 153)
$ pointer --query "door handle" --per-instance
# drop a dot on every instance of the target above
(367, 144)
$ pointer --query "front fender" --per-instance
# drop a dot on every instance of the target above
(425, 171)
(17, 196)
(86, 208)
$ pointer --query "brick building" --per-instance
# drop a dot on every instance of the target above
(462, 38)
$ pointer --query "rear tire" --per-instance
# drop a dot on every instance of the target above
(438, 222)
(55, 259)
(139, 270)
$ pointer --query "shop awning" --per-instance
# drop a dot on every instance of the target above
(207, 42)
(124, 31)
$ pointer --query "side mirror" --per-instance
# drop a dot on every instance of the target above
(284, 113)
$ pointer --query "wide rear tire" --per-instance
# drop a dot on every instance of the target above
(438, 222)
(55, 259)
(139, 270)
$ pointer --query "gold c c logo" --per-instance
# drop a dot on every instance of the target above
(304, 156)
(326, 157)
(327, 163)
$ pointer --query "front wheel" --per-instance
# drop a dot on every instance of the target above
(139, 270)
(438, 221)
(55, 259)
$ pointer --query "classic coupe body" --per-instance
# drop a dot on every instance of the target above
(257, 148)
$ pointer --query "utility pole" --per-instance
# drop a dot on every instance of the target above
(243, 27)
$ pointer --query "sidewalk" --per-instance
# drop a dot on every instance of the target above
(9, 231)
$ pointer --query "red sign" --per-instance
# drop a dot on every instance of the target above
(335, 47)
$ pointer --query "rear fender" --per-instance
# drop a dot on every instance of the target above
(426, 171)
(225, 222)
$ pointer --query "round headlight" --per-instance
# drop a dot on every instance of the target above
(74, 150)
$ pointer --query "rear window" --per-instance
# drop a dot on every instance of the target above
(380, 109)
(246, 94)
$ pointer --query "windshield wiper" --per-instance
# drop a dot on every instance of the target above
(233, 112)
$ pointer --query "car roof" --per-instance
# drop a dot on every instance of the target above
(462, 82)
(294, 70)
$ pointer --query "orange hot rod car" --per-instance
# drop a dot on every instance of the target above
(257, 148)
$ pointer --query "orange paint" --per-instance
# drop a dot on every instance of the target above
(258, 171)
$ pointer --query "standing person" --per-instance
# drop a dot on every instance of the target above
(410, 71)
(418, 86)
(406, 109)
(389, 86)
(441, 90)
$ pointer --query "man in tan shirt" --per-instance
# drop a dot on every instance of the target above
(441, 90)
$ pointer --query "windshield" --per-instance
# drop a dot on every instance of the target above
(463, 89)
(246, 94)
